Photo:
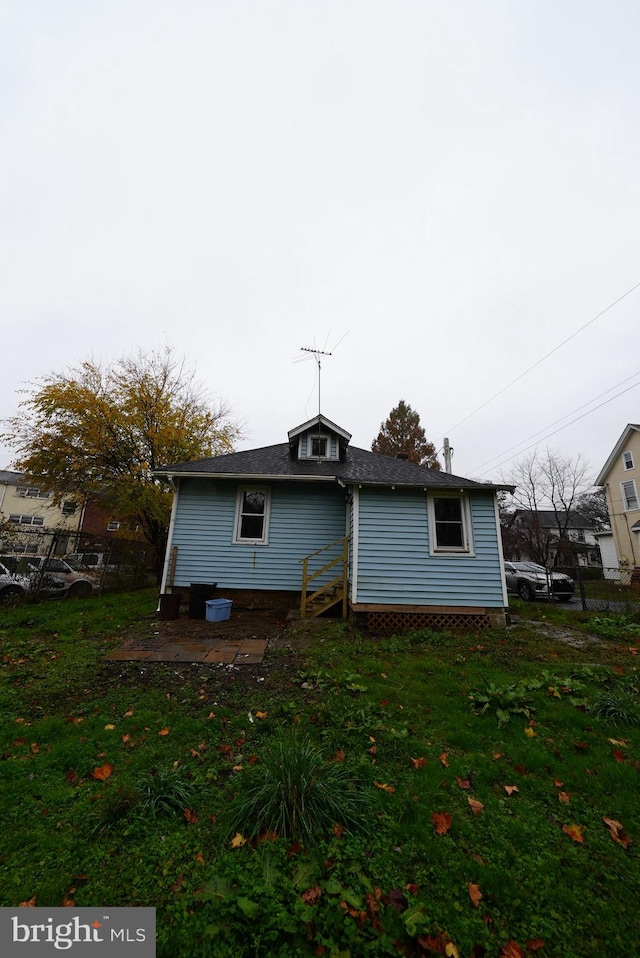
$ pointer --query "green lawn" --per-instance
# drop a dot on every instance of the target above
(422, 794)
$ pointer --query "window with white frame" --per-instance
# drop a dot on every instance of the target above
(627, 459)
(27, 520)
(318, 446)
(252, 516)
(68, 508)
(629, 495)
(450, 524)
(113, 526)
(29, 492)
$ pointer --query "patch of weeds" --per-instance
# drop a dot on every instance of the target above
(296, 793)
(165, 791)
(615, 626)
(618, 706)
(503, 701)
(118, 806)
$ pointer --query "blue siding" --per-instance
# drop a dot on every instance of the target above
(303, 518)
(394, 565)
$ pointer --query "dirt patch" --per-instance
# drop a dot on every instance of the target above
(572, 637)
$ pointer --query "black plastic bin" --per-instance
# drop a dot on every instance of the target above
(199, 592)
(169, 606)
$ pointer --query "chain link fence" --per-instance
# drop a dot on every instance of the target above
(599, 589)
(44, 563)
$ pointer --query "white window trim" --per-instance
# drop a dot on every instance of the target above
(318, 435)
(627, 463)
(628, 508)
(264, 541)
(467, 549)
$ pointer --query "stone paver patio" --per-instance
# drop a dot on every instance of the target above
(212, 651)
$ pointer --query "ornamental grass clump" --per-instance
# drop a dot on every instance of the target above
(165, 791)
(296, 793)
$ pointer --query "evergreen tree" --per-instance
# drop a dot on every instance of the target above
(402, 435)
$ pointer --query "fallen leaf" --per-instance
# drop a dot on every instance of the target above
(412, 887)
(619, 741)
(177, 885)
(475, 894)
(617, 832)
(417, 762)
(28, 904)
(442, 822)
(384, 787)
(476, 806)
(451, 951)
(618, 755)
(311, 895)
(534, 944)
(463, 783)
(443, 760)
(125, 738)
(71, 776)
(576, 832)
(496, 755)
(339, 756)
(102, 772)
(163, 731)
(199, 858)
(510, 789)
(238, 840)
(564, 797)
(511, 950)
(190, 816)
(558, 783)
(529, 732)
(109, 728)
(128, 714)
(261, 715)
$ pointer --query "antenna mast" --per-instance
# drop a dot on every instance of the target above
(317, 353)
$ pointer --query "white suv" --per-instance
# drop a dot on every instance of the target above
(55, 571)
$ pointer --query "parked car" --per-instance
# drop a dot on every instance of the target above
(55, 571)
(529, 581)
(14, 585)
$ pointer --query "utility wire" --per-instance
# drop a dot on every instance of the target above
(538, 363)
(556, 421)
(566, 425)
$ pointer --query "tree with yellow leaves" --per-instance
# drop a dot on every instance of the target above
(99, 432)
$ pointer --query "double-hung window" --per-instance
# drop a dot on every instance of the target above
(629, 495)
(252, 516)
(450, 524)
(627, 459)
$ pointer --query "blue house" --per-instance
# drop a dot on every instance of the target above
(315, 523)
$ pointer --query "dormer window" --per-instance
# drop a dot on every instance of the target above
(318, 447)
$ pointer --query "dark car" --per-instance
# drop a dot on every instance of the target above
(52, 575)
(528, 580)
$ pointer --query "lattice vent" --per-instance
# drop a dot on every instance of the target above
(390, 622)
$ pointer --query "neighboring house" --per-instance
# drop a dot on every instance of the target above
(30, 508)
(620, 477)
(410, 545)
(534, 535)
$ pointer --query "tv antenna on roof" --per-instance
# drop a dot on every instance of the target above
(317, 355)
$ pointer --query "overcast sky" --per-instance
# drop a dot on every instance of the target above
(444, 191)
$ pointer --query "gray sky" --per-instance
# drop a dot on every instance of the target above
(453, 187)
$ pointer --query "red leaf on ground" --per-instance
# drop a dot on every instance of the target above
(464, 783)
(617, 832)
(564, 797)
(475, 894)
(417, 762)
(576, 832)
(534, 944)
(190, 816)
(511, 950)
(618, 755)
(442, 822)
(443, 760)
(28, 904)
(102, 772)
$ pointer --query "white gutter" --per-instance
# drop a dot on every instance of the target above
(505, 596)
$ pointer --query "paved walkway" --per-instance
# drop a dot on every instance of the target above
(211, 651)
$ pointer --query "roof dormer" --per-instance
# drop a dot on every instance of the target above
(318, 439)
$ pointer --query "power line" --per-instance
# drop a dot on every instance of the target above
(566, 425)
(538, 363)
(556, 421)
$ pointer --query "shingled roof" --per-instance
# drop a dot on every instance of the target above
(357, 466)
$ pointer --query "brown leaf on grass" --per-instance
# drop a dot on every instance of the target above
(576, 832)
(102, 772)
(510, 789)
(35, 748)
(384, 787)
(199, 858)
(311, 895)
(128, 713)
(125, 738)
(442, 822)
(412, 888)
(338, 830)
(72, 776)
(261, 715)
(444, 760)
(558, 783)
(463, 783)
(618, 755)
(535, 944)
(564, 797)
(177, 885)
(475, 894)
(476, 806)
(163, 731)
(340, 755)
(511, 950)
(190, 816)
(619, 741)
(238, 840)
(418, 762)
(28, 904)
(617, 832)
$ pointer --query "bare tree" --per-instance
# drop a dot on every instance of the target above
(548, 487)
